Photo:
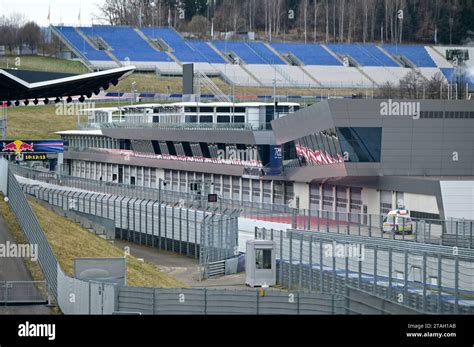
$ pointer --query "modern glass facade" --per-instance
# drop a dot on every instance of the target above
(360, 145)
(332, 146)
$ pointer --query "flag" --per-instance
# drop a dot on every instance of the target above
(49, 13)
(4, 104)
(436, 35)
(169, 17)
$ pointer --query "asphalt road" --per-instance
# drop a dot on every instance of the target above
(14, 269)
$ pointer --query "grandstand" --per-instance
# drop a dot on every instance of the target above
(253, 63)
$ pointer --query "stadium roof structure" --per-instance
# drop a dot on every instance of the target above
(14, 88)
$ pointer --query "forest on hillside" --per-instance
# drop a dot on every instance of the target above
(390, 21)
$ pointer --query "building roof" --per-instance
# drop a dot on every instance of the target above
(15, 88)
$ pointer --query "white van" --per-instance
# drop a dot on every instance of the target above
(398, 221)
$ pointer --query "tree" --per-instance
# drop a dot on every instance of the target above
(411, 86)
(198, 26)
(30, 35)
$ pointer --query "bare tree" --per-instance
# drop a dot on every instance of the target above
(411, 86)
(30, 35)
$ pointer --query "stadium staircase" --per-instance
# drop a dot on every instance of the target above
(203, 80)
(73, 48)
(107, 51)
(299, 64)
(275, 67)
(326, 48)
(156, 46)
(251, 74)
(223, 56)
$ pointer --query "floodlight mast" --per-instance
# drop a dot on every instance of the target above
(458, 58)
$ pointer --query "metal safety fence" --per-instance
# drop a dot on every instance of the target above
(92, 297)
(451, 232)
(204, 235)
(202, 301)
(427, 278)
(22, 292)
(33, 231)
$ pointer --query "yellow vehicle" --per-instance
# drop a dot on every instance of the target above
(398, 221)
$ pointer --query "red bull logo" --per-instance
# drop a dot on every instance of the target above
(17, 147)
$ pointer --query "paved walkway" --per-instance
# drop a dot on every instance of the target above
(14, 269)
(184, 269)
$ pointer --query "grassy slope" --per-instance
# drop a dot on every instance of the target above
(39, 63)
(20, 238)
(70, 241)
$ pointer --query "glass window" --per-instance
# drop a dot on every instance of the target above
(263, 258)
(239, 119)
(206, 109)
(223, 119)
(223, 109)
(205, 119)
(363, 145)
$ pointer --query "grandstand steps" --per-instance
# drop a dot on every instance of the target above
(274, 51)
(278, 70)
(389, 55)
(73, 49)
(366, 75)
(214, 48)
(86, 38)
(147, 40)
(93, 44)
(327, 49)
(176, 60)
(252, 75)
(311, 77)
(160, 42)
(114, 58)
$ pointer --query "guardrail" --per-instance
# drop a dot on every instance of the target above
(424, 277)
(33, 231)
(452, 232)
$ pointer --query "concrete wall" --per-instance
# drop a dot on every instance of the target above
(421, 203)
(301, 191)
(371, 198)
(458, 199)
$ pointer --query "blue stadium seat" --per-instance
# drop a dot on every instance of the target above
(204, 49)
(126, 43)
(183, 50)
(242, 50)
(81, 45)
(415, 53)
(264, 52)
(364, 54)
(309, 54)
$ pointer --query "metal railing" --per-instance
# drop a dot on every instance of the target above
(184, 126)
(33, 231)
(423, 277)
(203, 301)
(452, 232)
(202, 234)
(22, 292)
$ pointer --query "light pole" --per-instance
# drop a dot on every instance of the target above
(161, 181)
(134, 92)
